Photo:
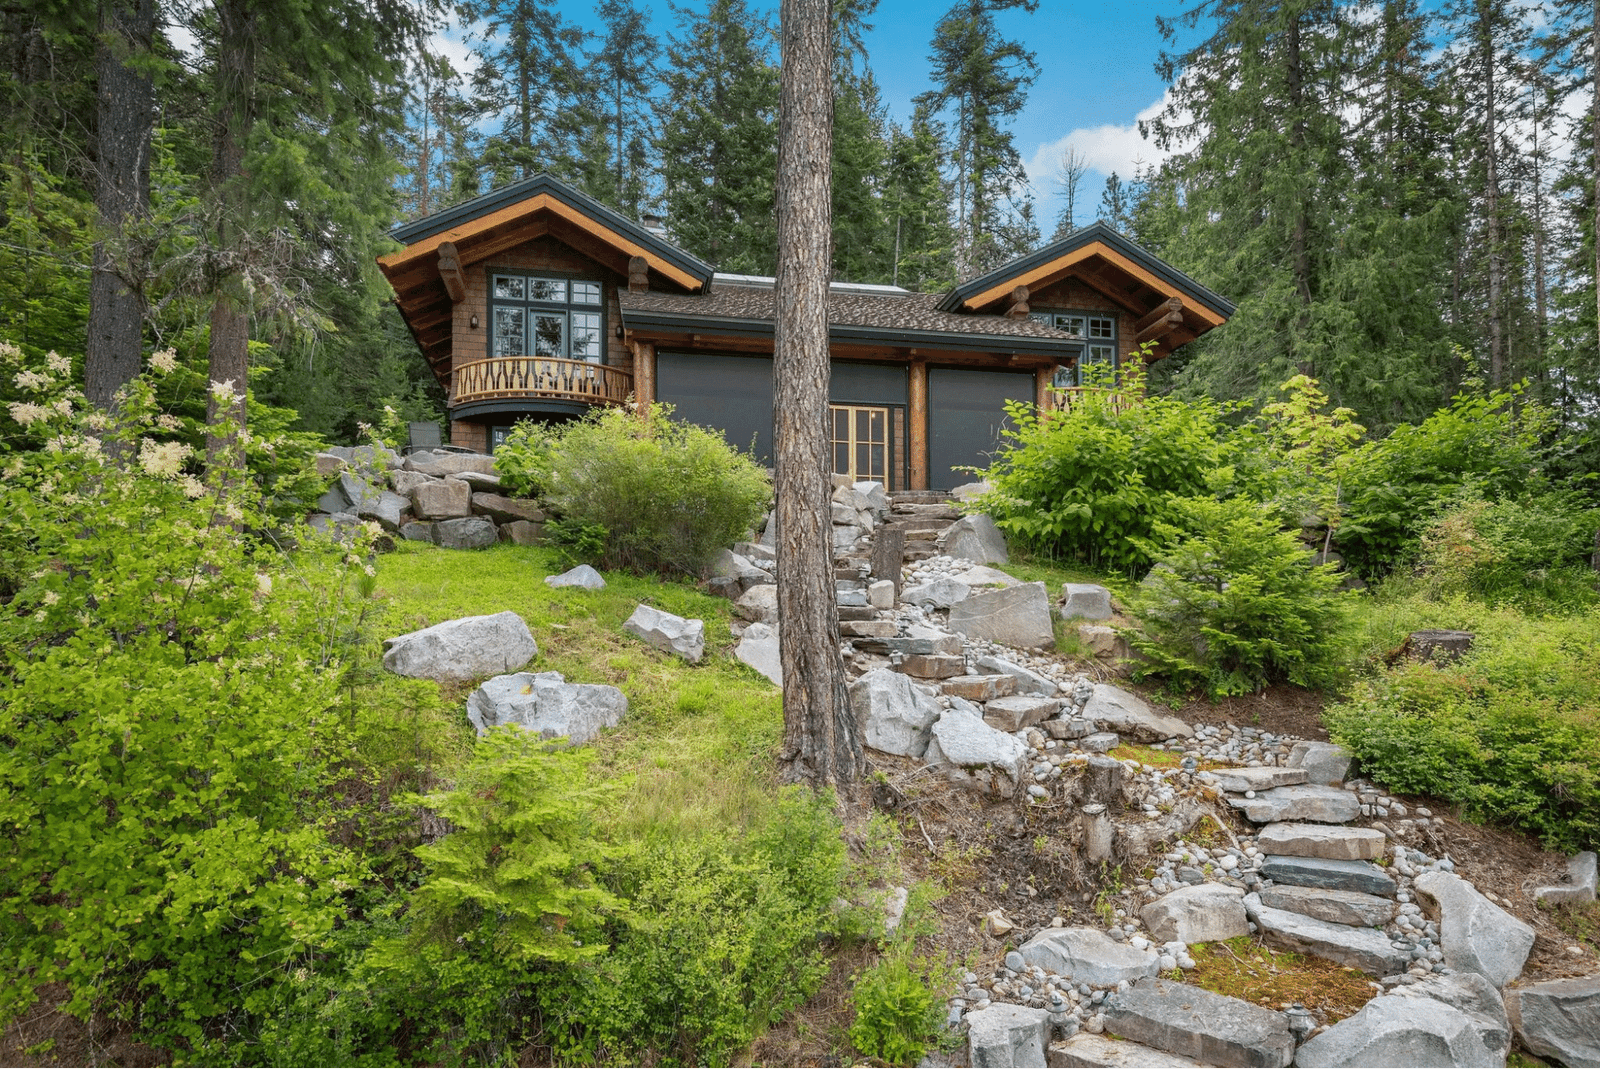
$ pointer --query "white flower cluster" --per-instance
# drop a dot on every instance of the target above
(26, 413)
(164, 361)
(223, 392)
(29, 380)
(61, 366)
(162, 459)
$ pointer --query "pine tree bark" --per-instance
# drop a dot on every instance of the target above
(821, 741)
(124, 119)
(229, 351)
(1594, 139)
(1491, 200)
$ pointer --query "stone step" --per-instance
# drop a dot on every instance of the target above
(1084, 1050)
(1331, 906)
(856, 614)
(867, 629)
(1258, 779)
(934, 666)
(919, 549)
(1198, 1024)
(1356, 876)
(1358, 947)
(979, 688)
(1321, 842)
(923, 531)
(1302, 803)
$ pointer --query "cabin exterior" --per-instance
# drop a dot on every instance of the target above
(537, 301)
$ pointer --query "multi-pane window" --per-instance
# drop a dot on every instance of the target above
(545, 316)
(1099, 335)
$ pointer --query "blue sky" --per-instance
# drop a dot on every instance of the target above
(1096, 79)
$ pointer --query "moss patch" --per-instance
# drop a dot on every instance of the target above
(1244, 968)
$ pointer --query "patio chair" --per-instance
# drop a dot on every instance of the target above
(424, 435)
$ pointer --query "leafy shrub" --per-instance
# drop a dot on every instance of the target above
(1234, 602)
(668, 494)
(722, 937)
(1532, 550)
(167, 723)
(1511, 733)
(1095, 481)
(523, 460)
(1395, 485)
(897, 1012)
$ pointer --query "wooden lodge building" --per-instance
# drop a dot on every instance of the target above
(536, 301)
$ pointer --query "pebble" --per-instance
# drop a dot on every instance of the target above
(1014, 961)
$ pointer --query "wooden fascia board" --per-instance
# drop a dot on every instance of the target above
(1062, 266)
(395, 263)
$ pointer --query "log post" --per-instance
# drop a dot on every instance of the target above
(638, 275)
(455, 283)
(1043, 380)
(1019, 303)
(644, 377)
(917, 424)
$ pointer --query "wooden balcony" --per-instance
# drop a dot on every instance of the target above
(536, 378)
(1067, 399)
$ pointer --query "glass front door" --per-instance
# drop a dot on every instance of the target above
(861, 442)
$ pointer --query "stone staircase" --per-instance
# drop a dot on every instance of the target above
(1311, 879)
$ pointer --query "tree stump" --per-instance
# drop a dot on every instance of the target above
(1104, 785)
(889, 554)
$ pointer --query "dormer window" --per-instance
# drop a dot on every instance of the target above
(540, 315)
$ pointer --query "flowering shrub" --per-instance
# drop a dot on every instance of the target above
(166, 719)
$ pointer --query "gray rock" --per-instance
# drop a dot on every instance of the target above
(1331, 906)
(1097, 1051)
(880, 595)
(328, 465)
(1474, 995)
(1246, 779)
(463, 649)
(1103, 642)
(1007, 1036)
(385, 508)
(1308, 803)
(758, 649)
(896, 715)
(1559, 1019)
(1018, 616)
(1028, 683)
(1324, 764)
(1210, 912)
(421, 531)
(1322, 842)
(503, 508)
(1579, 887)
(547, 705)
(986, 577)
(1088, 601)
(1476, 934)
(1398, 1032)
(1196, 1023)
(1359, 947)
(979, 688)
(872, 496)
(1086, 955)
(941, 593)
(683, 637)
(442, 464)
(404, 481)
(522, 533)
(1099, 742)
(440, 499)
(975, 539)
(1357, 876)
(1116, 709)
(758, 604)
(966, 741)
(584, 576)
(479, 481)
(339, 526)
(465, 533)
(1013, 713)
(894, 910)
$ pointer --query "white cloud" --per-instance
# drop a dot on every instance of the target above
(1105, 148)
(451, 42)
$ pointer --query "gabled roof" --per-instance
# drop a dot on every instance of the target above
(1093, 251)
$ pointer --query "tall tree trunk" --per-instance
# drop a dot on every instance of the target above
(1541, 299)
(1300, 235)
(229, 352)
(1594, 142)
(821, 741)
(124, 118)
(1491, 201)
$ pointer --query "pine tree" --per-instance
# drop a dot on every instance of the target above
(525, 81)
(718, 137)
(1070, 170)
(623, 75)
(917, 201)
(982, 80)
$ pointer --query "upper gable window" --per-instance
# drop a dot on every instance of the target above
(1099, 334)
(536, 315)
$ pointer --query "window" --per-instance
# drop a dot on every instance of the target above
(545, 316)
(1099, 334)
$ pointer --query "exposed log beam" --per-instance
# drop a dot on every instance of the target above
(1163, 320)
(455, 284)
(482, 248)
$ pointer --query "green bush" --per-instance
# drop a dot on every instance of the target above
(1234, 602)
(1093, 482)
(669, 495)
(523, 460)
(168, 723)
(1394, 487)
(722, 938)
(1532, 550)
(898, 1014)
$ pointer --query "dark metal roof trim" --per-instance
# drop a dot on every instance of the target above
(853, 333)
(1099, 231)
(506, 196)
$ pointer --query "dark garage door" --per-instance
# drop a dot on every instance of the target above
(966, 408)
(731, 394)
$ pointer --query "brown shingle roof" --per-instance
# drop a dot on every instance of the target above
(897, 312)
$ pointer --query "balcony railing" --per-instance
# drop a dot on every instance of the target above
(539, 378)
(1066, 399)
